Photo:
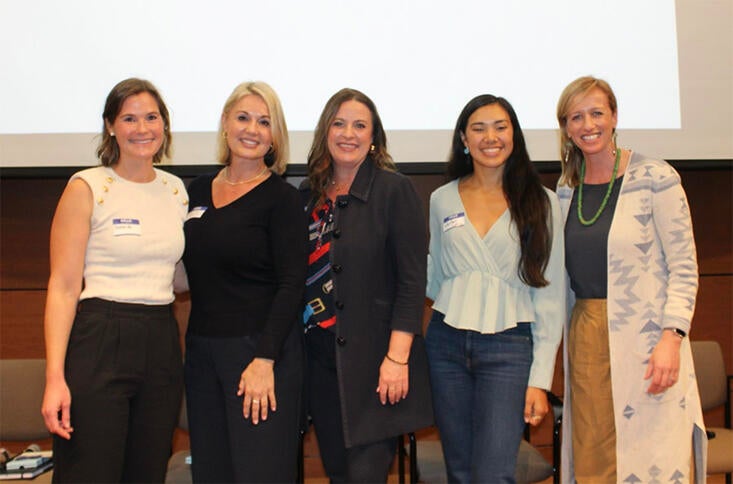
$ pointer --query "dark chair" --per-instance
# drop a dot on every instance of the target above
(22, 383)
(531, 466)
(428, 456)
(411, 454)
(714, 386)
(427, 465)
(402, 454)
(179, 464)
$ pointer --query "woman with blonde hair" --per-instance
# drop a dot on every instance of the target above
(245, 258)
(632, 410)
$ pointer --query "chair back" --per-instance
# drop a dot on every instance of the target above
(22, 383)
(710, 373)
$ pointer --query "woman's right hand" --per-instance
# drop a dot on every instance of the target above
(56, 408)
(257, 389)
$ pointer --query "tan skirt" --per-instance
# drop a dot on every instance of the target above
(594, 431)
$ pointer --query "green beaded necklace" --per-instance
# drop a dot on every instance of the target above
(605, 199)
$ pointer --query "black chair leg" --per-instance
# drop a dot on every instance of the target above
(300, 477)
(556, 450)
(401, 459)
(401, 454)
(414, 474)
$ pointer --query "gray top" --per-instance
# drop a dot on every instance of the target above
(586, 247)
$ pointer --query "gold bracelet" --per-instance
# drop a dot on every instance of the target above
(395, 361)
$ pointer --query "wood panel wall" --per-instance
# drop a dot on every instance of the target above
(27, 204)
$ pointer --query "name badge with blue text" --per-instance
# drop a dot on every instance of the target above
(126, 226)
(453, 221)
(196, 212)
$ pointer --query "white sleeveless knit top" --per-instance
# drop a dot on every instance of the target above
(136, 236)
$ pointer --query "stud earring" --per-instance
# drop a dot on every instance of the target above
(372, 148)
(111, 134)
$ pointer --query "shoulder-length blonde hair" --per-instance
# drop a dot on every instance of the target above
(320, 162)
(570, 155)
(108, 151)
(277, 158)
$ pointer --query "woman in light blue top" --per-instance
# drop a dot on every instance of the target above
(496, 275)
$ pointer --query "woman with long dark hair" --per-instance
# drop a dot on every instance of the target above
(496, 276)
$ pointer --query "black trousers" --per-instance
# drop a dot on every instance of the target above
(123, 368)
(367, 463)
(224, 446)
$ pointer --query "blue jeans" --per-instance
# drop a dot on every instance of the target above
(479, 384)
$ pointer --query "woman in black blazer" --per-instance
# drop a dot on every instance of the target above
(367, 367)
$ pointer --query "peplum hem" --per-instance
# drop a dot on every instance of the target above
(482, 302)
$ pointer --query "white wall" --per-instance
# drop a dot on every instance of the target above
(705, 58)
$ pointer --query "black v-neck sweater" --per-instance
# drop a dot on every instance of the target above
(246, 263)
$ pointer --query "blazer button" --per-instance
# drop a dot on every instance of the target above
(341, 341)
(342, 203)
(336, 233)
(339, 305)
(337, 268)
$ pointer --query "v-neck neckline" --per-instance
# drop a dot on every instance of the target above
(468, 219)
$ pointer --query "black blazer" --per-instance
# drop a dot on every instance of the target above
(379, 266)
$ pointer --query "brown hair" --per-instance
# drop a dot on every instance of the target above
(320, 169)
(108, 150)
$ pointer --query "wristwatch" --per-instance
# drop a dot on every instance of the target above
(677, 331)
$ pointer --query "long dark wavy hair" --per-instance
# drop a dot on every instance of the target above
(320, 162)
(528, 202)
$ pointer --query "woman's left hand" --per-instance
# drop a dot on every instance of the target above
(257, 384)
(393, 381)
(664, 364)
(535, 406)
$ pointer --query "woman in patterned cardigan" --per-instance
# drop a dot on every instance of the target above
(633, 410)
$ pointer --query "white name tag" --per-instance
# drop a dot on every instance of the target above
(196, 212)
(453, 221)
(126, 226)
